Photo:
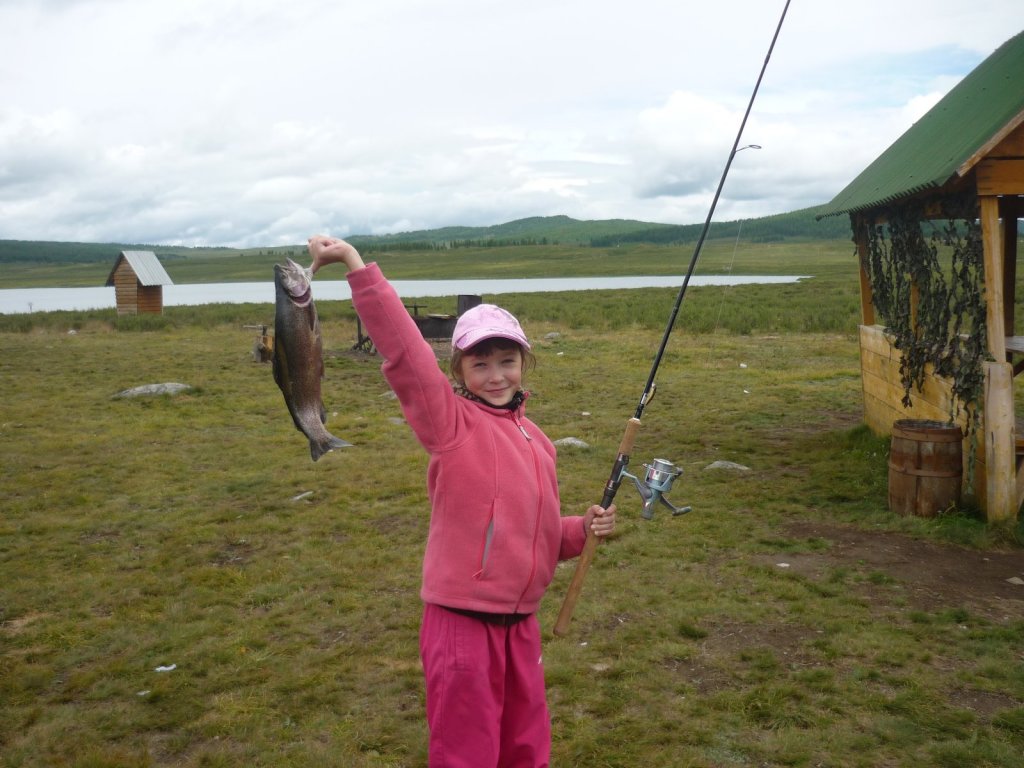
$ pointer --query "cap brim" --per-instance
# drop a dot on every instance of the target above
(475, 336)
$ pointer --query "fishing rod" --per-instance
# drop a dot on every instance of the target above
(661, 473)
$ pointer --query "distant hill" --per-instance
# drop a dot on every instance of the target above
(46, 252)
(536, 229)
(799, 224)
(531, 231)
(563, 229)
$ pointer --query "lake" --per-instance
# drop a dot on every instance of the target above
(25, 300)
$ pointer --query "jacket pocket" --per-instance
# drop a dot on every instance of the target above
(485, 547)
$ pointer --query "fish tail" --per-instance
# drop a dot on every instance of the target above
(318, 448)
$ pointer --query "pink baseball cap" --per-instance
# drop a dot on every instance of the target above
(486, 321)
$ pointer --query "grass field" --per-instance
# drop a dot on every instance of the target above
(193, 531)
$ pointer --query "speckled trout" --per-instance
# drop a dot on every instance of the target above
(298, 356)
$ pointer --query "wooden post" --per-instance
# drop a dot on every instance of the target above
(1000, 429)
(867, 306)
(1000, 458)
(1009, 245)
(991, 236)
(263, 349)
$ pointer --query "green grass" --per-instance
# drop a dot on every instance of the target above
(170, 530)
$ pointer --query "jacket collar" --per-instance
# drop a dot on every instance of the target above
(515, 405)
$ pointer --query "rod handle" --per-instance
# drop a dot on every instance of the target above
(576, 586)
(629, 436)
(590, 546)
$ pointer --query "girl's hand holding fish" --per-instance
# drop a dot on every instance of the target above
(330, 250)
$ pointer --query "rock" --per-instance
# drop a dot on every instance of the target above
(553, 336)
(573, 442)
(729, 465)
(167, 388)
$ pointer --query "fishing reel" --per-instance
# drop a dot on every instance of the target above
(658, 480)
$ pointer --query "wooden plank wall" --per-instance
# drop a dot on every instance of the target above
(126, 289)
(132, 298)
(883, 390)
(151, 299)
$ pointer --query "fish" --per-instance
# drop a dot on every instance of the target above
(298, 360)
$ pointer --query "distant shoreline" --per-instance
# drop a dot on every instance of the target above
(31, 300)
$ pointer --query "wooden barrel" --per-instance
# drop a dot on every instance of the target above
(925, 467)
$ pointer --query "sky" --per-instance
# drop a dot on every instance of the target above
(249, 123)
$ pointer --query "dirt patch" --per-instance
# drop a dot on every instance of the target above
(985, 703)
(933, 576)
(881, 568)
(783, 640)
(234, 553)
(17, 625)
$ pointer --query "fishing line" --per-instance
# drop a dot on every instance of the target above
(660, 473)
(648, 392)
(725, 293)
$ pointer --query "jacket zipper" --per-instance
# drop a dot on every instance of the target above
(537, 515)
(518, 423)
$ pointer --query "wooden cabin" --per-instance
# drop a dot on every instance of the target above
(959, 171)
(138, 278)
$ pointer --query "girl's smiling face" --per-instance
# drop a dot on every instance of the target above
(494, 376)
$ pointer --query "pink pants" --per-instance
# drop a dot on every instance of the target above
(486, 705)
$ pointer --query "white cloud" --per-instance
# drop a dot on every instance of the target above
(252, 122)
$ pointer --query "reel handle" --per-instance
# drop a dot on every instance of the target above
(590, 547)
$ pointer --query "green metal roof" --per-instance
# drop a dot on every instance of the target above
(934, 149)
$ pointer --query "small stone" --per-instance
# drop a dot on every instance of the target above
(573, 442)
(167, 388)
(1016, 580)
(730, 465)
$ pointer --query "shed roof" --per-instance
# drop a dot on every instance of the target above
(948, 140)
(147, 268)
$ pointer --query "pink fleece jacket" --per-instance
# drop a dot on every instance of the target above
(496, 531)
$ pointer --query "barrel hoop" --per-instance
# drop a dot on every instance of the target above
(918, 436)
(925, 472)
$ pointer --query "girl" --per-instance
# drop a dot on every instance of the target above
(496, 531)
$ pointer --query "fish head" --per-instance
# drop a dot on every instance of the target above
(294, 280)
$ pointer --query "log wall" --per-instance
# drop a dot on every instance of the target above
(126, 289)
(132, 298)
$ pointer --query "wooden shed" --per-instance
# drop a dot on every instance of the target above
(935, 222)
(138, 278)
